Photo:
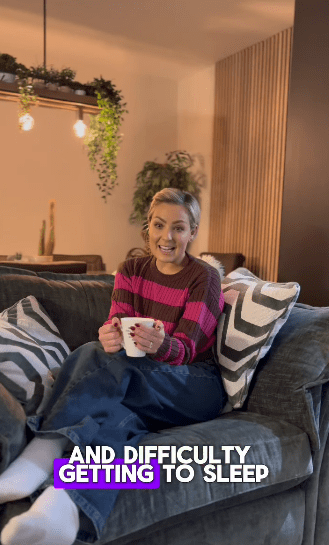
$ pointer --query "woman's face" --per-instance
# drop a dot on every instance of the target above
(169, 234)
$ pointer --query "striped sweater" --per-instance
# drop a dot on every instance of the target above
(188, 303)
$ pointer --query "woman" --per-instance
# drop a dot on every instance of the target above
(104, 397)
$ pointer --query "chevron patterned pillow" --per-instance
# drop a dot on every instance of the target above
(254, 312)
(31, 351)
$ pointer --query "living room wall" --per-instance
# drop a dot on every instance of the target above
(51, 163)
(251, 97)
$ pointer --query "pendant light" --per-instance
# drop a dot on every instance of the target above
(79, 127)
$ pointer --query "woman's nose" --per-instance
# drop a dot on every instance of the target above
(167, 235)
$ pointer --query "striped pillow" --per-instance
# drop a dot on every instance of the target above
(31, 350)
(254, 312)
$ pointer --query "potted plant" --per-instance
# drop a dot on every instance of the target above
(156, 176)
(78, 88)
(66, 77)
(52, 79)
(9, 67)
(106, 89)
(103, 138)
(39, 75)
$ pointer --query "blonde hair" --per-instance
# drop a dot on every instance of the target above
(171, 195)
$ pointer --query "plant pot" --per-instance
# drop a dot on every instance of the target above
(65, 89)
(43, 258)
(7, 78)
(52, 86)
(39, 84)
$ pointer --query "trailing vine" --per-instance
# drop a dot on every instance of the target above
(103, 141)
(27, 97)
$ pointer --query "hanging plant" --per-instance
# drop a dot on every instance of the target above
(156, 176)
(103, 138)
(27, 98)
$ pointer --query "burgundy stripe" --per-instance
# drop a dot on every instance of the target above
(189, 342)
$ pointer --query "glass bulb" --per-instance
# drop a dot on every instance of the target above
(80, 128)
(26, 122)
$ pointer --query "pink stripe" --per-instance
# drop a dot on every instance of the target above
(181, 354)
(166, 355)
(153, 291)
(120, 308)
(199, 313)
(122, 282)
(221, 302)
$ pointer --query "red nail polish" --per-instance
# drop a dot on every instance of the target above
(116, 325)
(132, 334)
(135, 344)
(132, 327)
(137, 325)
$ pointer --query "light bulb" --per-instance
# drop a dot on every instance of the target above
(80, 128)
(26, 122)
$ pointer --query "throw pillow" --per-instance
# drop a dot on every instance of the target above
(254, 312)
(31, 350)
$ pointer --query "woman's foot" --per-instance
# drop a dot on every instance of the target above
(31, 468)
(53, 519)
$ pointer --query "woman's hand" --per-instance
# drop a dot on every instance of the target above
(148, 339)
(110, 336)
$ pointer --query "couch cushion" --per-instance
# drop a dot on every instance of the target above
(77, 307)
(275, 520)
(254, 312)
(283, 448)
(48, 275)
(288, 382)
(15, 270)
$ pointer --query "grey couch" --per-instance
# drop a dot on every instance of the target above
(285, 421)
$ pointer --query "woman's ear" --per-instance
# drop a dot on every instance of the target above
(194, 233)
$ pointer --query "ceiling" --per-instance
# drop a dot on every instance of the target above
(192, 31)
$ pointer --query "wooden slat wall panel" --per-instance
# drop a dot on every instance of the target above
(249, 153)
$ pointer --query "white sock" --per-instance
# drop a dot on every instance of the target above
(31, 468)
(53, 519)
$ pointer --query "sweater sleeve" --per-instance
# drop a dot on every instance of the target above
(122, 304)
(195, 332)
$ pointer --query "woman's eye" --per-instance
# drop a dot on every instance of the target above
(158, 225)
(179, 228)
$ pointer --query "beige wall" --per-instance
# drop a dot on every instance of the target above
(165, 113)
(196, 96)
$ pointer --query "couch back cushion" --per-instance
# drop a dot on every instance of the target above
(289, 380)
(77, 307)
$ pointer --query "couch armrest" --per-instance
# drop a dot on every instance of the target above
(288, 382)
(230, 262)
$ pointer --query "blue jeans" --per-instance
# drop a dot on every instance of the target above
(115, 400)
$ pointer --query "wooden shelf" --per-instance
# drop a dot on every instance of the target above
(52, 99)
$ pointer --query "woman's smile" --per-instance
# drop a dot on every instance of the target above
(167, 249)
